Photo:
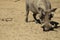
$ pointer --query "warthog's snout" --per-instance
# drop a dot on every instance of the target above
(47, 27)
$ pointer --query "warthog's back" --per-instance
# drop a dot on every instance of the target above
(44, 4)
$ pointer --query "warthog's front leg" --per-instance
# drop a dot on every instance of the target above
(36, 20)
(27, 13)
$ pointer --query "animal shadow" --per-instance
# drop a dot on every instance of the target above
(32, 21)
(36, 21)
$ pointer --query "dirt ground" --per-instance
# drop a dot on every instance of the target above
(14, 27)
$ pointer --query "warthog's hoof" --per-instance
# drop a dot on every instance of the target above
(26, 20)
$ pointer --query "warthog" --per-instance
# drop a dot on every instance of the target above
(43, 8)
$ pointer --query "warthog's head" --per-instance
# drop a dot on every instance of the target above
(46, 17)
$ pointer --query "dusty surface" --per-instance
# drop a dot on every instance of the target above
(15, 27)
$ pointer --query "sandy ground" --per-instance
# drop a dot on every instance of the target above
(17, 29)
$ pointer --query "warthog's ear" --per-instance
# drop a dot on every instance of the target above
(53, 10)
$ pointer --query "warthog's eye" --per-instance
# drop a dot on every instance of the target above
(50, 16)
(43, 13)
(42, 16)
(39, 8)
